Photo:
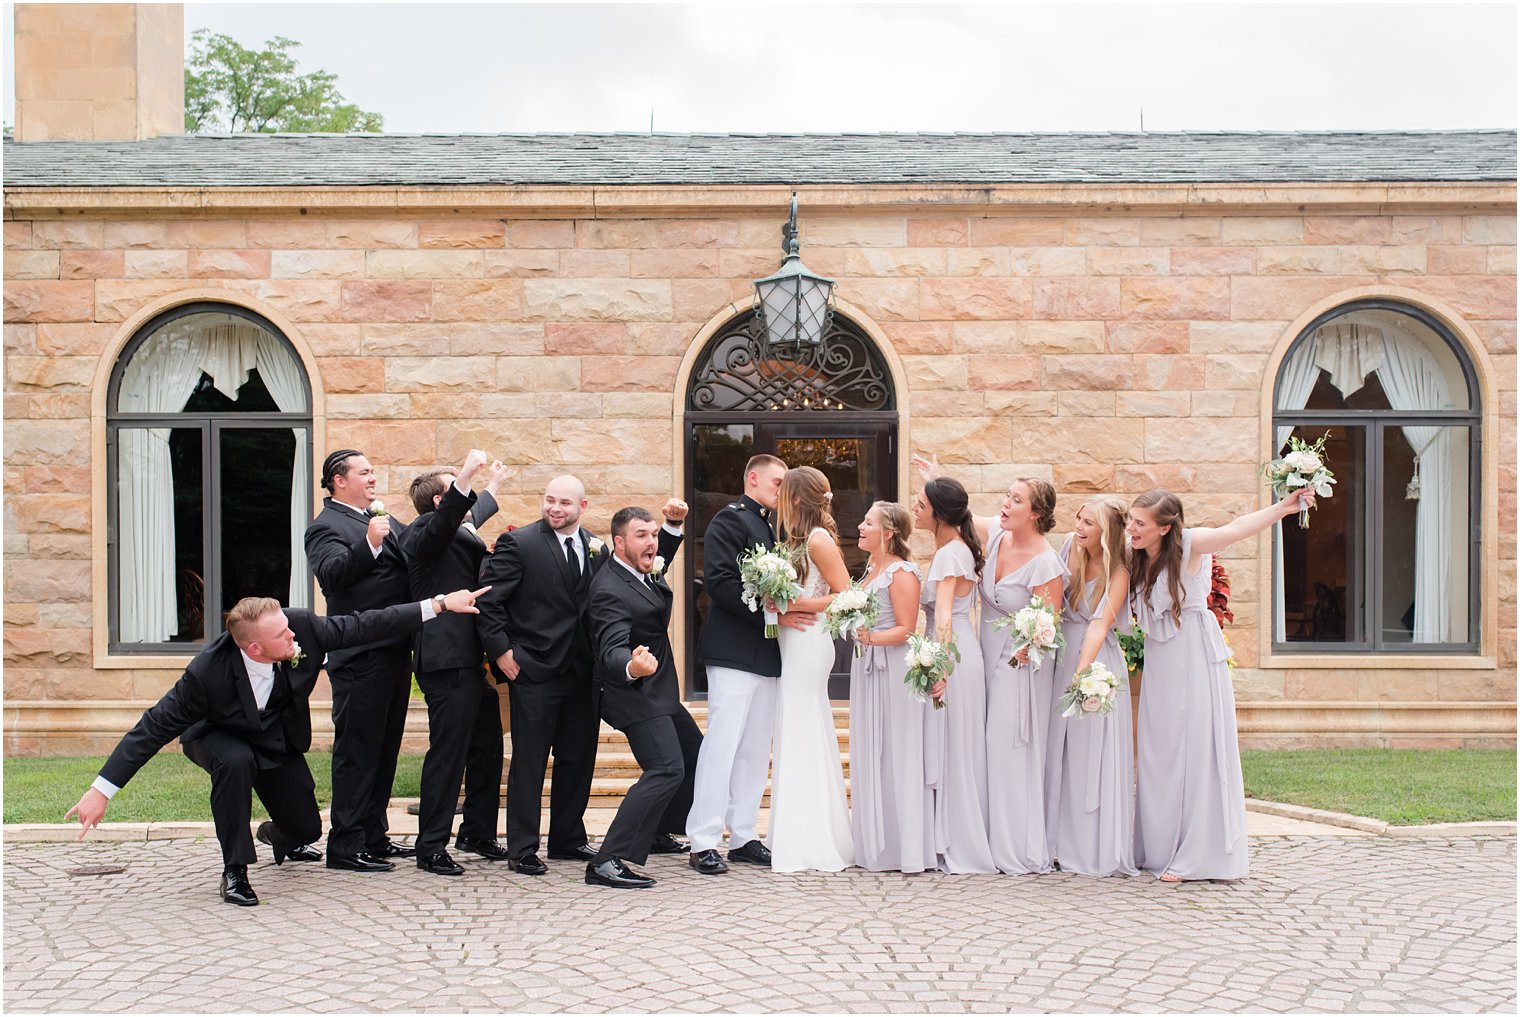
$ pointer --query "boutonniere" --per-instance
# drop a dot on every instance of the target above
(596, 546)
(657, 568)
(297, 654)
(377, 507)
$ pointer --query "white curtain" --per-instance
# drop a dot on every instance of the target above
(160, 378)
(1298, 378)
(1412, 380)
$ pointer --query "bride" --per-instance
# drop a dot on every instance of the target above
(810, 823)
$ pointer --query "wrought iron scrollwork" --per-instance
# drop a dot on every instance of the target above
(738, 372)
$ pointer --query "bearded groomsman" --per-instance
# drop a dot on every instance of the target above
(354, 551)
(464, 710)
(537, 637)
(639, 693)
(241, 711)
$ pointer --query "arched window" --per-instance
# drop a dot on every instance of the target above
(208, 437)
(832, 407)
(1390, 563)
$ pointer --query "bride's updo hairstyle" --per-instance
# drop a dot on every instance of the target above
(801, 506)
(951, 506)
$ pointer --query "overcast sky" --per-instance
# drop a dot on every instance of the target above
(905, 67)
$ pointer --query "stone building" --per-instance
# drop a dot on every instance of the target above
(191, 322)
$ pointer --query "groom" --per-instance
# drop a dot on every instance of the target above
(742, 668)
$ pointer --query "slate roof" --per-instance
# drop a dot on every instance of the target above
(309, 160)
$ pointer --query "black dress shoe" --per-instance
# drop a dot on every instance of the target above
(392, 850)
(614, 873)
(528, 865)
(439, 864)
(666, 844)
(490, 850)
(361, 862)
(707, 862)
(235, 888)
(753, 853)
(584, 853)
(299, 853)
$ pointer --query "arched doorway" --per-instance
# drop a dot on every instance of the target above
(833, 407)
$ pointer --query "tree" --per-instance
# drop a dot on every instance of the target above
(231, 88)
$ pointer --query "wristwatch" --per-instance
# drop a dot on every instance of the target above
(440, 603)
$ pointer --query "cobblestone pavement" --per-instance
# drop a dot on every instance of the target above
(1323, 924)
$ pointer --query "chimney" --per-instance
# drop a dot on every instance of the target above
(99, 72)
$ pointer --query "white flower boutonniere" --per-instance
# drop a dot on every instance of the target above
(657, 568)
(377, 507)
(596, 546)
(297, 654)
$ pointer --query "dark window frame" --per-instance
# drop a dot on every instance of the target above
(1374, 423)
(210, 424)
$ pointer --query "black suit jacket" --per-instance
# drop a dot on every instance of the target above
(215, 692)
(442, 555)
(733, 635)
(537, 606)
(352, 578)
(626, 613)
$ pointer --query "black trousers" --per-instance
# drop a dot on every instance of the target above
(464, 741)
(286, 790)
(370, 693)
(666, 748)
(555, 716)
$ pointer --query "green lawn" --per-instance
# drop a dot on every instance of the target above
(1400, 787)
(169, 787)
(1403, 787)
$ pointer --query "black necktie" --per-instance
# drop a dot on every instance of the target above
(649, 581)
(572, 558)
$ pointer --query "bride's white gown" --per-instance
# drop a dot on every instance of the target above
(810, 822)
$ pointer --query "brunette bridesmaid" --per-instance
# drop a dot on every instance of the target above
(1020, 566)
(1090, 768)
(960, 810)
(892, 777)
(1190, 814)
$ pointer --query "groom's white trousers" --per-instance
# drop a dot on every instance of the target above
(735, 759)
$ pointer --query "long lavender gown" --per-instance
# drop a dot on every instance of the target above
(892, 777)
(1190, 809)
(1019, 699)
(1090, 765)
(960, 805)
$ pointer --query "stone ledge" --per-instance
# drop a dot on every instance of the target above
(1487, 829)
(1303, 812)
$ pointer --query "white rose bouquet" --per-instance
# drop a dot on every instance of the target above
(1034, 627)
(1303, 466)
(1093, 690)
(768, 575)
(929, 661)
(851, 612)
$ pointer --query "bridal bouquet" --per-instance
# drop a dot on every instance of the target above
(1303, 466)
(852, 611)
(1093, 690)
(768, 575)
(929, 661)
(1035, 627)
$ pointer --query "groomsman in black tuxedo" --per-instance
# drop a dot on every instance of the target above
(354, 550)
(241, 711)
(537, 637)
(464, 710)
(640, 694)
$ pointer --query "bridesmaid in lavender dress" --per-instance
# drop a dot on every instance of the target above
(1190, 812)
(960, 808)
(1020, 566)
(1090, 767)
(892, 776)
